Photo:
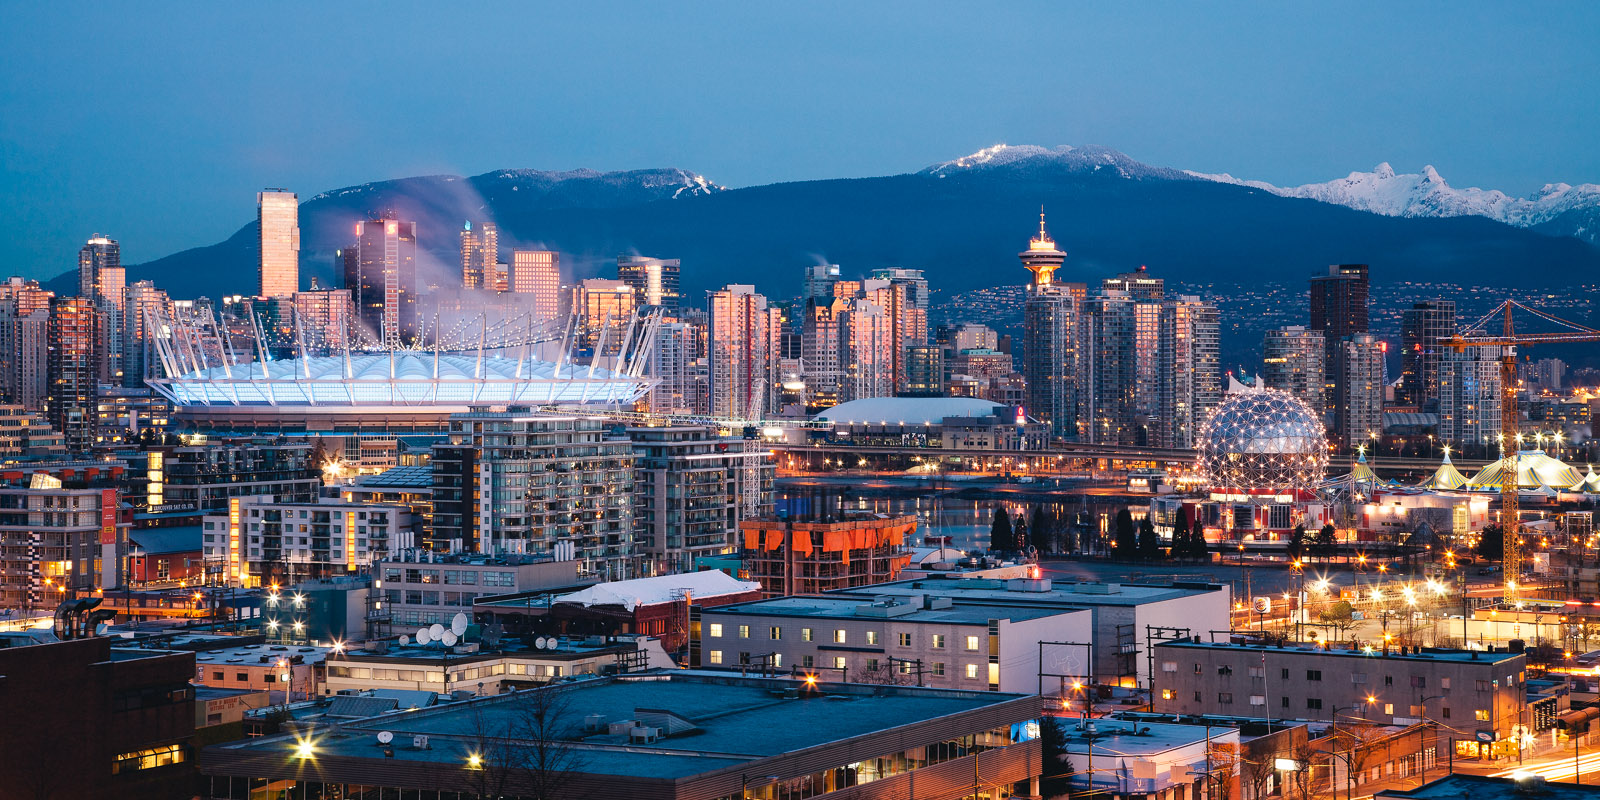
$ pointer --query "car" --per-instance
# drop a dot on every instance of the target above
(1488, 570)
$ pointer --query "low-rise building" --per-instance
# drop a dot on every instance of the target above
(408, 485)
(470, 668)
(663, 736)
(923, 640)
(420, 587)
(286, 672)
(26, 434)
(165, 555)
(266, 540)
(1133, 759)
(1470, 690)
(825, 552)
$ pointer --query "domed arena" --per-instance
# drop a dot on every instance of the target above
(1263, 442)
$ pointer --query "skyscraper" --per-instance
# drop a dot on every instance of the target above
(94, 259)
(24, 353)
(598, 304)
(819, 281)
(908, 323)
(1422, 327)
(1050, 337)
(743, 339)
(538, 272)
(1339, 311)
(820, 351)
(480, 255)
(278, 241)
(1469, 398)
(674, 364)
(654, 280)
(384, 286)
(1358, 409)
(143, 300)
(867, 355)
(1189, 374)
(1147, 294)
(327, 317)
(916, 285)
(76, 339)
(1292, 360)
(1108, 368)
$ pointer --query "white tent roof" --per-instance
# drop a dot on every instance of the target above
(661, 589)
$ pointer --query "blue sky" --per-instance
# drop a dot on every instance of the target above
(156, 122)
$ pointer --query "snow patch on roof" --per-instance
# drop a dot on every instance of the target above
(631, 594)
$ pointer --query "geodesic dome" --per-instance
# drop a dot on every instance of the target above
(1263, 441)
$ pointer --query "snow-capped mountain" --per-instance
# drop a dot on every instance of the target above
(1384, 191)
(1065, 158)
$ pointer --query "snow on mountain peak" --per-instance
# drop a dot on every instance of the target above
(1428, 194)
(1084, 158)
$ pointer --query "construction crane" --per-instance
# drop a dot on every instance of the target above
(1478, 335)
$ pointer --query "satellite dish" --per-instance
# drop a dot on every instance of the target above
(458, 624)
(449, 639)
(539, 643)
(422, 636)
(405, 640)
(435, 631)
(385, 737)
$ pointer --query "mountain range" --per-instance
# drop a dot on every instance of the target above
(962, 221)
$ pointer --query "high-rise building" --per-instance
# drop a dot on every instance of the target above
(100, 255)
(692, 490)
(916, 285)
(326, 316)
(819, 281)
(1422, 327)
(867, 354)
(24, 354)
(908, 323)
(598, 305)
(538, 272)
(25, 434)
(674, 363)
(654, 280)
(1050, 337)
(143, 300)
(480, 255)
(820, 352)
(972, 336)
(1108, 370)
(1469, 397)
(278, 241)
(57, 541)
(384, 284)
(30, 296)
(1292, 360)
(76, 342)
(1358, 408)
(924, 371)
(1189, 374)
(1339, 310)
(1147, 294)
(743, 349)
(1547, 374)
(485, 500)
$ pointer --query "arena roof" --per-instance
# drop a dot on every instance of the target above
(400, 378)
(911, 410)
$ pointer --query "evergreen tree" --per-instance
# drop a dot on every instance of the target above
(1325, 545)
(1040, 529)
(1001, 538)
(1055, 768)
(1149, 543)
(1019, 534)
(1492, 543)
(1182, 545)
(1126, 540)
(1297, 542)
(1198, 549)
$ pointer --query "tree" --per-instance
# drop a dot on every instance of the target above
(1198, 548)
(1068, 537)
(1001, 539)
(1055, 775)
(1492, 543)
(1149, 544)
(1127, 538)
(1341, 616)
(1019, 534)
(1182, 545)
(1041, 530)
(1259, 771)
(1325, 547)
(1297, 541)
(546, 761)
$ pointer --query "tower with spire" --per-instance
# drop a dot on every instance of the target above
(1042, 258)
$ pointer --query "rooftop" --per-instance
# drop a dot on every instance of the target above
(854, 608)
(1036, 592)
(413, 477)
(1120, 738)
(709, 722)
(909, 410)
(1421, 654)
(1479, 787)
(161, 541)
(261, 654)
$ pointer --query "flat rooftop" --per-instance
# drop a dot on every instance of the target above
(260, 654)
(846, 608)
(1394, 654)
(1033, 592)
(712, 722)
(1126, 737)
(1454, 787)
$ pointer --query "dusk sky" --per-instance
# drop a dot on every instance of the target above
(156, 123)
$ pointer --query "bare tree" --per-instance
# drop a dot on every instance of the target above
(1257, 772)
(548, 759)
(884, 673)
(491, 754)
(1359, 743)
(1222, 758)
(1305, 757)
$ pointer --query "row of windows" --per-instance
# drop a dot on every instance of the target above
(939, 641)
(1417, 681)
(1315, 703)
(148, 759)
(972, 670)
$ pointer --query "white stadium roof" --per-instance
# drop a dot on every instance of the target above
(910, 410)
(400, 378)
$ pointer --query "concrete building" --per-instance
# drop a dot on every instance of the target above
(142, 301)
(327, 317)
(287, 673)
(278, 242)
(826, 552)
(1339, 304)
(1188, 358)
(1423, 327)
(382, 280)
(939, 423)
(480, 255)
(481, 671)
(538, 272)
(1467, 690)
(654, 280)
(1293, 360)
(100, 270)
(1126, 616)
(125, 414)
(868, 742)
(200, 478)
(820, 351)
(25, 434)
(1108, 368)
(1125, 759)
(596, 305)
(743, 352)
(924, 371)
(679, 370)
(74, 369)
(1468, 390)
(692, 490)
(24, 342)
(58, 543)
(268, 541)
(420, 588)
(1358, 401)
(410, 485)
(922, 640)
(867, 351)
(517, 481)
(818, 283)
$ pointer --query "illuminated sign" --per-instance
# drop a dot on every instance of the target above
(350, 541)
(233, 538)
(108, 516)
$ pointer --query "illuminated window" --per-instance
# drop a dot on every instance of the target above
(1166, 694)
(972, 672)
(838, 662)
(905, 640)
(938, 641)
(1481, 714)
(147, 759)
(805, 634)
(775, 632)
(972, 644)
(716, 656)
(744, 631)
(716, 630)
(839, 636)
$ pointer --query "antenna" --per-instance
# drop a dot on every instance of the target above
(458, 624)
(450, 639)
(385, 737)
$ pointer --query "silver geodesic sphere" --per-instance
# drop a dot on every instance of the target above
(1263, 440)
